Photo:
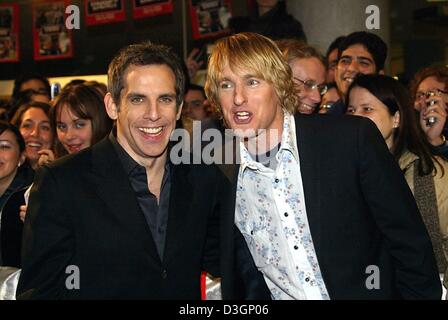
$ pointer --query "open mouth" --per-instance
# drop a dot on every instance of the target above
(151, 131)
(306, 108)
(242, 117)
(34, 145)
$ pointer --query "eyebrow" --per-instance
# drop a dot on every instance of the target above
(357, 58)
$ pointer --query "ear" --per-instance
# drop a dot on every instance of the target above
(381, 72)
(22, 159)
(179, 111)
(396, 119)
(111, 107)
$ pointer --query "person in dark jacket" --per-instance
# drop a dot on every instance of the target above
(15, 177)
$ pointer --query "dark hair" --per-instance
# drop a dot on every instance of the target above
(374, 44)
(438, 72)
(17, 118)
(7, 126)
(143, 54)
(195, 87)
(409, 135)
(334, 45)
(30, 76)
(85, 102)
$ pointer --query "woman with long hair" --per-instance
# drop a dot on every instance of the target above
(388, 104)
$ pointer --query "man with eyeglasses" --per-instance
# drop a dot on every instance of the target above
(308, 71)
(359, 53)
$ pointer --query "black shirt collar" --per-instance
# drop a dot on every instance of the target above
(126, 160)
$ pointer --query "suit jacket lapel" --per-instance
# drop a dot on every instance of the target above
(181, 195)
(309, 155)
(112, 186)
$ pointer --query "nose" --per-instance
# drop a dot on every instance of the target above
(35, 131)
(315, 95)
(239, 96)
(70, 134)
(353, 66)
(152, 112)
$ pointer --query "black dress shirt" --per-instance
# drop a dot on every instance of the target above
(156, 214)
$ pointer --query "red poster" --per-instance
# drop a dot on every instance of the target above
(9, 33)
(104, 11)
(149, 8)
(209, 18)
(52, 40)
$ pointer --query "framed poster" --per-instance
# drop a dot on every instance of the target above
(52, 40)
(149, 8)
(104, 11)
(9, 33)
(209, 18)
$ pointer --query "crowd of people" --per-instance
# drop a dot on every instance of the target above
(335, 169)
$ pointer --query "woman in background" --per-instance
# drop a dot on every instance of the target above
(15, 177)
(33, 121)
(388, 104)
(80, 119)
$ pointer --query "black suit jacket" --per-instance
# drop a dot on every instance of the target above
(360, 212)
(83, 212)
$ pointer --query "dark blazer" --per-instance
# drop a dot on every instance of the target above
(360, 212)
(83, 212)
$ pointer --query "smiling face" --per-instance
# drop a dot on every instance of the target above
(10, 156)
(363, 103)
(308, 69)
(36, 131)
(249, 103)
(354, 60)
(73, 132)
(147, 111)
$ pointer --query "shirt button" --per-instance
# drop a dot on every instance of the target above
(164, 274)
(307, 279)
(286, 214)
(276, 180)
(252, 232)
(296, 247)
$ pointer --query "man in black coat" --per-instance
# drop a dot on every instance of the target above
(310, 217)
(119, 220)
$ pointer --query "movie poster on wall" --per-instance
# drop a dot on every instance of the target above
(150, 8)
(209, 18)
(52, 40)
(9, 33)
(104, 11)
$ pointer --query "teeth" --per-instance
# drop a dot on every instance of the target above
(307, 106)
(151, 130)
(349, 80)
(243, 115)
(31, 144)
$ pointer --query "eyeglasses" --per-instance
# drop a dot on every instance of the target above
(430, 93)
(311, 85)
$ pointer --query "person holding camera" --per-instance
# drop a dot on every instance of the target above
(387, 103)
(429, 89)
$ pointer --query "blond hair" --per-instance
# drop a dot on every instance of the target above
(261, 57)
